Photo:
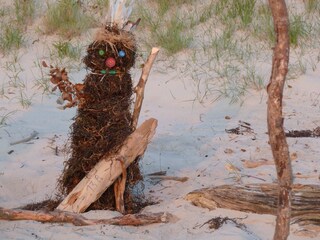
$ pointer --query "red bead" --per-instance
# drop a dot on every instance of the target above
(110, 62)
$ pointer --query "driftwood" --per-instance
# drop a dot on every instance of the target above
(173, 178)
(139, 89)
(276, 132)
(120, 183)
(78, 220)
(261, 199)
(91, 187)
(27, 139)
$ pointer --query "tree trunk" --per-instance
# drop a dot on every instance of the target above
(261, 199)
(78, 220)
(276, 132)
(94, 184)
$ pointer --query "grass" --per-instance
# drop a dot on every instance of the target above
(65, 49)
(173, 39)
(42, 80)
(298, 29)
(165, 5)
(14, 23)
(171, 33)
(239, 12)
(5, 118)
(312, 6)
(13, 71)
(24, 11)
(25, 100)
(66, 18)
(11, 38)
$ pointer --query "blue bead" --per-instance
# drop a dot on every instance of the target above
(122, 53)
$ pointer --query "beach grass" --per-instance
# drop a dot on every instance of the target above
(66, 18)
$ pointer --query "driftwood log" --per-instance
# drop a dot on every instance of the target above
(91, 187)
(79, 220)
(261, 199)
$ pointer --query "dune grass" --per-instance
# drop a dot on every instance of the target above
(66, 18)
(14, 22)
(167, 28)
(229, 42)
(11, 38)
(24, 11)
(65, 49)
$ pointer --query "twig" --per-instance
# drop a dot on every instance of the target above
(32, 136)
(161, 177)
(161, 173)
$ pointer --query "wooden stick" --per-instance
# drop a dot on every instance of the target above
(32, 136)
(78, 220)
(139, 89)
(104, 173)
(277, 137)
(261, 199)
(161, 177)
(119, 186)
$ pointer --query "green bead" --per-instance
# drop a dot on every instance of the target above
(112, 72)
(101, 52)
(103, 71)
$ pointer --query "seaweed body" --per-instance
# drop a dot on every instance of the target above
(104, 118)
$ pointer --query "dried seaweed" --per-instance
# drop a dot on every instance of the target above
(104, 119)
(304, 133)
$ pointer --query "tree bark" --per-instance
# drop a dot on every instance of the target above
(276, 132)
(78, 220)
(261, 199)
(110, 167)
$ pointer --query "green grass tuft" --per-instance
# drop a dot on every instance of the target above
(173, 38)
(65, 49)
(66, 18)
(298, 29)
(24, 11)
(11, 38)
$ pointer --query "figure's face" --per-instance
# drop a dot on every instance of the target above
(106, 59)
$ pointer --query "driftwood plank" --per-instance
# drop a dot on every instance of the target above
(79, 220)
(103, 175)
(261, 199)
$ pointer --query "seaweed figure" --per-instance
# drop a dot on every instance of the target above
(104, 119)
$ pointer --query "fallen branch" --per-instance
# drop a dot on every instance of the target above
(24, 140)
(78, 220)
(261, 199)
(104, 173)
